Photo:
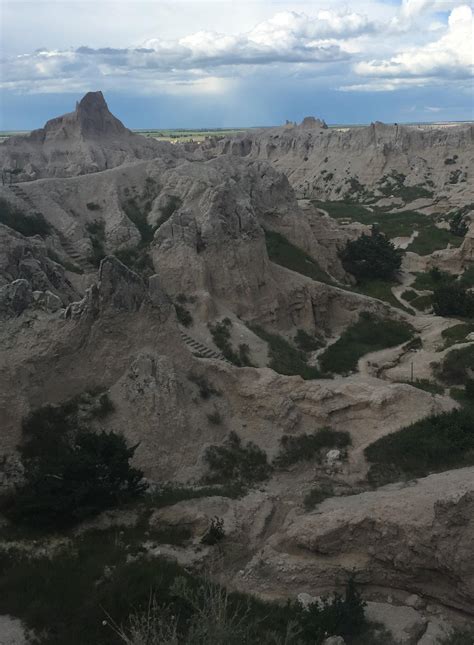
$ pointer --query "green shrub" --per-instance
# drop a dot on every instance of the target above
(220, 332)
(137, 259)
(426, 385)
(215, 418)
(283, 252)
(369, 334)
(303, 447)
(234, 462)
(215, 532)
(96, 232)
(284, 358)
(453, 300)
(457, 366)
(433, 444)
(92, 206)
(458, 225)
(456, 334)
(183, 315)
(317, 495)
(205, 389)
(409, 295)
(371, 256)
(422, 303)
(307, 342)
(27, 225)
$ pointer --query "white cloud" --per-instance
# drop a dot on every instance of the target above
(448, 57)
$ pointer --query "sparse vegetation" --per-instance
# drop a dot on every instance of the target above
(206, 390)
(453, 300)
(172, 205)
(283, 252)
(432, 279)
(459, 637)
(457, 366)
(317, 495)
(369, 334)
(220, 332)
(215, 418)
(307, 342)
(26, 224)
(304, 447)
(371, 256)
(433, 444)
(215, 532)
(96, 232)
(137, 259)
(457, 334)
(183, 315)
(284, 358)
(232, 461)
(426, 385)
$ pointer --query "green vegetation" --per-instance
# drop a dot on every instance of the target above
(458, 225)
(96, 232)
(423, 303)
(284, 358)
(304, 447)
(317, 495)
(284, 253)
(467, 277)
(453, 300)
(92, 206)
(457, 334)
(215, 532)
(221, 335)
(371, 256)
(394, 184)
(71, 472)
(172, 494)
(433, 444)
(369, 334)
(234, 462)
(382, 290)
(137, 259)
(215, 418)
(409, 295)
(183, 135)
(205, 389)
(307, 342)
(426, 385)
(432, 279)
(457, 366)
(183, 315)
(27, 225)
(459, 637)
(167, 211)
(345, 210)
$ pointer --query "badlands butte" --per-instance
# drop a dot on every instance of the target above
(302, 414)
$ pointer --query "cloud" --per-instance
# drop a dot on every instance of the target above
(449, 57)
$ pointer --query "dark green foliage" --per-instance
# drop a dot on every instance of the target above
(371, 256)
(382, 290)
(409, 295)
(137, 259)
(167, 211)
(92, 206)
(432, 279)
(284, 358)
(71, 472)
(205, 389)
(27, 225)
(306, 342)
(453, 300)
(469, 389)
(304, 447)
(457, 366)
(220, 332)
(316, 495)
(458, 225)
(422, 303)
(172, 494)
(96, 232)
(136, 209)
(467, 277)
(433, 444)
(234, 462)
(183, 315)
(456, 334)
(283, 252)
(215, 418)
(426, 385)
(369, 334)
(215, 532)
(459, 637)
(449, 161)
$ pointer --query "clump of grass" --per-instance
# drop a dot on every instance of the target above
(433, 444)
(409, 295)
(220, 332)
(304, 447)
(317, 495)
(307, 342)
(382, 290)
(369, 334)
(430, 280)
(426, 385)
(232, 461)
(457, 366)
(26, 224)
(284, 358)
(183, 315)
(423, 303)
(206, 390)
(283, 252)
(457, 334)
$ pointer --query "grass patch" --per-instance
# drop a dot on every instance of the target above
(96, 232)
(307, 342)
(284, 357)
(467, 278)
(382, 290)
(183, 315)
(367, 335)
(232, 461)
(457, 366)
(434, 444)
(426, 385)
(304, 447)
(317, 495)
(409, 295)
(27, 225)
(423, 303)
(281, 251)
(431, 280)
(220, 332)
(345, 210)
(456, 334)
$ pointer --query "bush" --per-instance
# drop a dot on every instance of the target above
(457, 366)
(433, 444)
(71, 473)
(317, 495)
(234, 462)
(306, 342)
(183, 315)
(371, 256)
(205, 389)
(453, 300)
(458, 225)
(92, 206)
(221, 335)
(303, 447)
(215, 532)
(215, 418)
(137, 259)
(284, 358)
(96, 232)
(369, 334)
(27, 225)
(456, 334)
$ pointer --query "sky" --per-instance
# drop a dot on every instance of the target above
(227, 63)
